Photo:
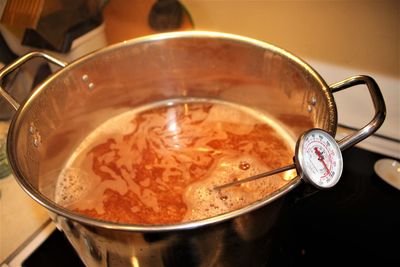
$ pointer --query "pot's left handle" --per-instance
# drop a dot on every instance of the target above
(16, 64)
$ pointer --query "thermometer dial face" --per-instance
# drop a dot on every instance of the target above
(319, 159)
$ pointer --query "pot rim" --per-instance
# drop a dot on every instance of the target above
(59, 210)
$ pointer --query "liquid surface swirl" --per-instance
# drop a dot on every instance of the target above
(158, 164)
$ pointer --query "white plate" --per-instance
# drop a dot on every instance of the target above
(389, 171)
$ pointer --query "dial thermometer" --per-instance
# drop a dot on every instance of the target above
(318, 160)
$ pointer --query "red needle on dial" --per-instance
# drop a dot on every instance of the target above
(321, 158)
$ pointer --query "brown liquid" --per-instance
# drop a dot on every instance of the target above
(159, 164)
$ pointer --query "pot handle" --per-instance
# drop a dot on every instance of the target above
(16, 64)
(379, 106)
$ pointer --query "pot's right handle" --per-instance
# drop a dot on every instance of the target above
(16, 64)
(379, 105)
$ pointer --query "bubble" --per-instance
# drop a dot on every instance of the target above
(72, 185)
(244, 165)
(223, 197)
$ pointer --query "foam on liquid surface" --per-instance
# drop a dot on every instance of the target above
(158, 164)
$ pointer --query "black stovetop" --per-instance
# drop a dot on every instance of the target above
(355, 223)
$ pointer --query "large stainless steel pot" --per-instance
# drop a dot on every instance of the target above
(61, 111)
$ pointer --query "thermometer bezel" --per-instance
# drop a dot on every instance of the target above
(300, 159)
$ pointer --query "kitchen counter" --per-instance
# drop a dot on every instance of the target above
(21, 218)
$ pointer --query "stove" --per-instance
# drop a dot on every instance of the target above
(356, 222)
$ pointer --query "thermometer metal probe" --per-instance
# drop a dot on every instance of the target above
(318, 160)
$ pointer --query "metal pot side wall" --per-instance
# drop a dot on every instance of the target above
(247, 240)
(78, 98)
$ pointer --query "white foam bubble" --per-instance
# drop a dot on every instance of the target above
(203, 201)
(72, 185)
